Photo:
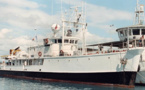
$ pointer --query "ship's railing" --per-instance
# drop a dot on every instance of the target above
(137, 43)
(107, 51)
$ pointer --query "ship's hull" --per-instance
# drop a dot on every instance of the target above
(97, 68)
(115, 78)
(140, 78)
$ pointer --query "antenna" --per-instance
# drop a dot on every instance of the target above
(139, 14)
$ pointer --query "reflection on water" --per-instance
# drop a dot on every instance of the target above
(20, 84)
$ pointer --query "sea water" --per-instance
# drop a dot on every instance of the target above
(23, 84)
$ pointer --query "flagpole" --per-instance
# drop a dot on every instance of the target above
(36, 37)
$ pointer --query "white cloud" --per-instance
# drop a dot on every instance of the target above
(108, 28)
(99, 16)
(3, 32)
(26, 15)
(93, 39)
(23, 17)
(22, 41)
(20, 3)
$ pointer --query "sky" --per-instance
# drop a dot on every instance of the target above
(22, 20)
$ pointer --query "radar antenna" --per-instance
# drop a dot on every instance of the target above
(55, 28)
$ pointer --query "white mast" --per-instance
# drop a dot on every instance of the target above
(128, 38)
(62, 35)
(76, 21)
(139, 14)
(83, 31)
(62, 27)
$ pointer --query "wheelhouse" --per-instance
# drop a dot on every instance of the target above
(134, 32)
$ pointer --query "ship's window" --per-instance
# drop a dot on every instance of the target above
(143, 31)
(130, 32)
(76, 42)
(121, 33)
(71, 41)
(136, 31)
(13, 62)
(24, 55)
(55, 40)
(8, 63)
(59, 41)
(65, 41)
(41, 62)
(20, 62)
(125, 32)
(118, 34)
(30, 62)
(27, 62)
(32, 55)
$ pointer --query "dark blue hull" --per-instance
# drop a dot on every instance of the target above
(116, 78)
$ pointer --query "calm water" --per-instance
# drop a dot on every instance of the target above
(20, 84)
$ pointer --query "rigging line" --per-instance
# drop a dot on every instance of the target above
(52, 9)
(61, 8)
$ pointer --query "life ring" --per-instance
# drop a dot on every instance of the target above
(46, 41)
(39, 54)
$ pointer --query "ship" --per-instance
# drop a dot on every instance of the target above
(62, 58)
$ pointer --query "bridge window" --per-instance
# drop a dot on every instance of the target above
(121, 33)
(76, 42)
(143, 31)
(59, 41)
(130, 33)
(136, 31)
(55, 40)
(71, 41)
(66, 41)
(125, 32)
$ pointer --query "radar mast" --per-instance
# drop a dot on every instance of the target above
(139, 14)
